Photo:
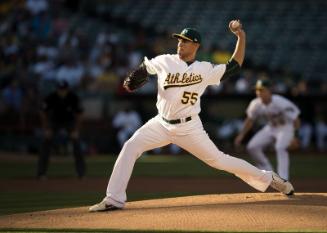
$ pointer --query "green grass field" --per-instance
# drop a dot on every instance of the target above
(302, 166)
(26, 200)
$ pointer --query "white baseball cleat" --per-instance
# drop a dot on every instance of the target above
(281, 185)
(103, 206)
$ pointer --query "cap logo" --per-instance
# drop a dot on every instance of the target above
(189, 34)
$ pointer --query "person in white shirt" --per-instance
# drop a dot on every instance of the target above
(126, 122)
(181, 81)
(282, 119)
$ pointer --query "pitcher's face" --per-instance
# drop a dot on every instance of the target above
(186, 50)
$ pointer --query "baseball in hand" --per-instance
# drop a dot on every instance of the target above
(235, 25)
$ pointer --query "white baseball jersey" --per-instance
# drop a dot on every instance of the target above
(278, 112)
(180, 85)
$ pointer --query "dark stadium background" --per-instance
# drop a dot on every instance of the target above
(95, 43)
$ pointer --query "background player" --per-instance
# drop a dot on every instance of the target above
(181, 82)
(282, 119)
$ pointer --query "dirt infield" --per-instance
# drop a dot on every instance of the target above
(224, 212)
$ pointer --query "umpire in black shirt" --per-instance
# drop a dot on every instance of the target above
(61, 109)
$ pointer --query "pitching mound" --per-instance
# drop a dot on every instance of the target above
(227, 212)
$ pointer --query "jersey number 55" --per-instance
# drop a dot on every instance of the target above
(189, 97)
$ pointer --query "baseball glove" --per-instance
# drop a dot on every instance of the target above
(136, 78)
(294, 145)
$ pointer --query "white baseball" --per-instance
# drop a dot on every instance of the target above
(235, 24)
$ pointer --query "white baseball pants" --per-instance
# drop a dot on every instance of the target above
(190, 136)
(282, 136)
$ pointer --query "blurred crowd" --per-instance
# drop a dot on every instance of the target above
(45, 41)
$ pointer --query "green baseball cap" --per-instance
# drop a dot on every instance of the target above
(262, 83)
(189, 34)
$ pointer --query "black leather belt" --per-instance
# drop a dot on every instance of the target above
(177, 121)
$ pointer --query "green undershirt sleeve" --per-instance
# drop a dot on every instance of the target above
(232, 68)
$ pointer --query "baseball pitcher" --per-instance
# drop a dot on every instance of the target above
(282, 120)
(181, 82)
